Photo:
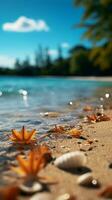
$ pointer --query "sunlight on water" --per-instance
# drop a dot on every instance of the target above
(23, 92)
(107, 95)
(23, 99)
(24, 95)
(0, 93)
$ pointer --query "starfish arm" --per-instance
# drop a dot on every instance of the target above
(31, 160)
(29, 141)
(43, 150)
(24, 164)
(12, 138)
(19, 171)
(39, 164)
(23, 133)
(16, 134)
(30, 135)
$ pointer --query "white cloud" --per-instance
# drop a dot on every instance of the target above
(6, 61)
(65, 45)
(24, 24)
(53, 52)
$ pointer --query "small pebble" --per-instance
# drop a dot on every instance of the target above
(83, 138)
(96, 140)
(62, 146)
(53, 147)
(79, 142)
(90, 141)
(90, 149)
(81, 149)
(69, 137)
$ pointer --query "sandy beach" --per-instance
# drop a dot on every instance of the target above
(98, 153)
(98, 160)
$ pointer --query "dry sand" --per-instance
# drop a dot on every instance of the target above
(99, 156)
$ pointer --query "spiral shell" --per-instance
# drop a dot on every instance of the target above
(71, 160)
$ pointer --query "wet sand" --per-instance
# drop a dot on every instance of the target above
(93, 78)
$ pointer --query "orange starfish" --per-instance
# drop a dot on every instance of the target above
(74, 132)
(97, 118)
(45, 151)
(35, 161)
(92, 118)
(23, 136)
(58, 129)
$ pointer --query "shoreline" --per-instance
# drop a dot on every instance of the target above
(93, 78)
(89, 78)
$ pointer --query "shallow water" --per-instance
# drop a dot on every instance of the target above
(24, 100)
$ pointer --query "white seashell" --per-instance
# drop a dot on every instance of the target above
(65, 196)
(71, 160)
(85, 179)
(42, 196)
(32, 188)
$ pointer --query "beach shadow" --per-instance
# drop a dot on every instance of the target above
(45, 188)
(93, 186)
(78, 170)
(8, 155)
(9, 152)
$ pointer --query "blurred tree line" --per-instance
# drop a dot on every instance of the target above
(97, 19)
(81, 61)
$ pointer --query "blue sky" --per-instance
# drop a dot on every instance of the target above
(24, 24)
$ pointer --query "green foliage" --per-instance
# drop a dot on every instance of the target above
(102, 56)
(80, 63)
(97, 19)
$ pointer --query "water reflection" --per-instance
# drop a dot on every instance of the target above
(107, 95)
(1, 93)
(70, 103)
(23, 92)
(105, 101)
(24, 95)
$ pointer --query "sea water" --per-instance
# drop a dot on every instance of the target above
(25, 100)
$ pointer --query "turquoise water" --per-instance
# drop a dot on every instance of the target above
(24, 100)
